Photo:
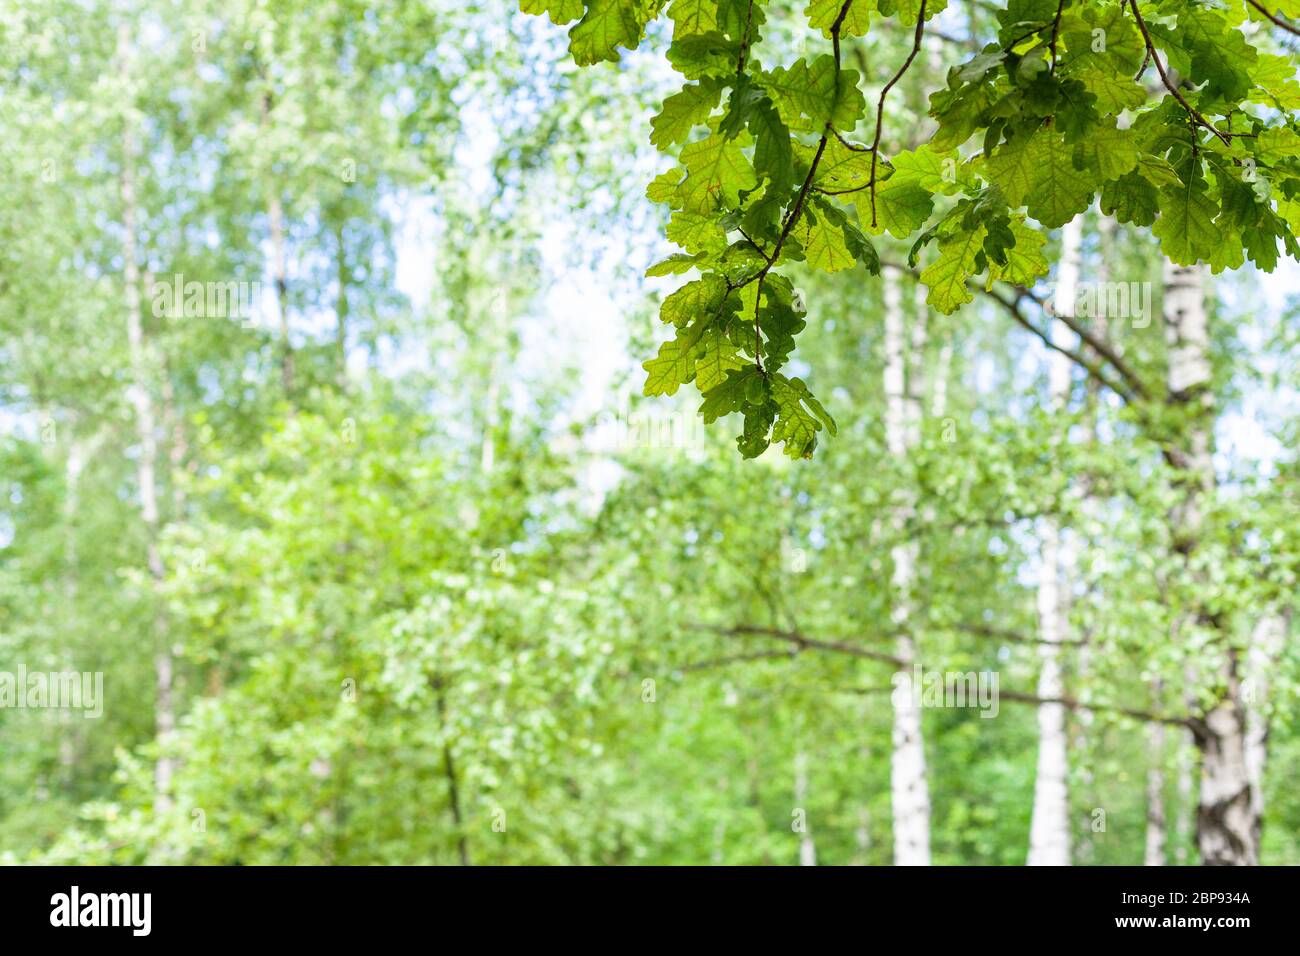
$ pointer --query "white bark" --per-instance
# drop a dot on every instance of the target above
(1227, 824)
(909, 788)
(145, 421)
(1265, 645)
(807, 849)
(1154, 854)
(1049, 830)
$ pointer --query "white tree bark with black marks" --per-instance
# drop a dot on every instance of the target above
(1049, 830)
(145, 421)
(1227, 822)
(1266, 644)
(909, 788)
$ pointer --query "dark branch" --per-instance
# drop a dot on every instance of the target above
(802, 641)
(1098, 344)
(1284, 24)
(880, 107)
(1172, 87)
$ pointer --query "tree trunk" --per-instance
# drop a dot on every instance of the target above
(342, 308)
(1154, 855)
(1049, 830)
(1227, 821)
(145, 418)
(909, 789)
(807, 849)
(280, 276)
(1266, 644)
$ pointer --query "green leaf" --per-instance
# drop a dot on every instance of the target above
(1025, 262)
(696, 232)
(674, 366)
(1108, 151)
(1131, 198)
(560, 11)
(683, 111)
(902, 207)
(693, 17)
(840, 168)
(663, 188)
(729, 396)
(700, 298)
(675, 264)
(1186, 226)
(796, 426)
(608, 25)
(715, 357)
(946, 277)
(823, 241)
(805, 95)
(1038, 172)
(822, 14)
(716, 173)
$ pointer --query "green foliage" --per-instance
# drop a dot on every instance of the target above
(1173, 114)
(417, 609)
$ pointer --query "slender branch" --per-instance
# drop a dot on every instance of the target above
(1012, 307)
(744, 40)
(802, 641)
(855, 147)
(1284, 24)
(793, 215)
(737, 659)
(880, 106)
(1197, 118)
(1002, 634)
(1056, 29)
(757, 247)
(1072, 704)
(1098, 344)
(1017, 697)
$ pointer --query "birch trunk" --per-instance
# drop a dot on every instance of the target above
(1265, 644)
(1049, 830)
(279, 255)
(145, 422)
(909, 789)
(1227, 821)
(1154, 853)
(807, 849)
(280, 275)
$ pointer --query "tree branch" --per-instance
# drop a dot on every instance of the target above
(1098, 344)
(1012, 307)
(1196, 117)
(1284, 24)
(880, 107)
(793, 215)
(802, 641)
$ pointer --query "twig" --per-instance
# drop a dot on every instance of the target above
(793, 215)
(1225, 138)
(1284, 24)
(1099, 345)
(880, 106)
(1056, 29)
(801, 641)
